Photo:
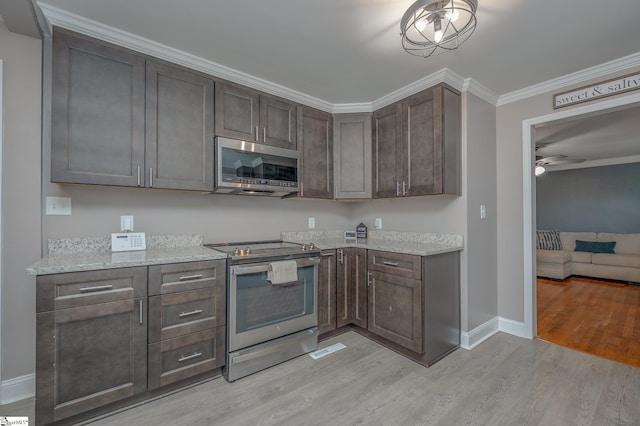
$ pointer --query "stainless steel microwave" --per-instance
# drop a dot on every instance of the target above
(249, 168)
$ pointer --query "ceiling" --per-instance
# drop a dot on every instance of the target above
(349, 51)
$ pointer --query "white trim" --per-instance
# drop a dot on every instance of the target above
(1, 215)
(515, 328)
(16, 389)
(471, 339)
(528, 182)
(579, 77)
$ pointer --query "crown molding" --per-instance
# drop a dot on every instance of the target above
(579, 77)
(73, 22)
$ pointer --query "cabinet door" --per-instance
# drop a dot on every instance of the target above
(395, 311)
(179, 129)
(352, 157)
(237, 112)
(97, 113)
(278, 123)
(327, 291)
(352, 287)
(89, 356)
(315, 135)
(386, 152)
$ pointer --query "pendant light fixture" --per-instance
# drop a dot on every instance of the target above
(430, 27)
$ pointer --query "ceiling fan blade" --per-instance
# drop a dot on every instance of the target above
(564, 161)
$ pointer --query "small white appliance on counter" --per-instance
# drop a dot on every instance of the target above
(128, 241)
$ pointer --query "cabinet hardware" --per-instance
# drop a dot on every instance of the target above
(188, 314)
(368, 278)
(96, 288)
(138, 175)
(140, 311)
(190, 277)
(188, 357)
(390, 263)
(301, 188)
(404, 188)
(264, 135)
(257, 138)
(397, 189)
(341, 257)
(151, 177)
(328, 254)
(390, 308)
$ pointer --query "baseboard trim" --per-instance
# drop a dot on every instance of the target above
(12, 390)
(471, 339)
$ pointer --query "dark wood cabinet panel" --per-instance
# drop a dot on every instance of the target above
(421, 136)
(352, 155)
(89, 356)
(176, 277)
(395, 309)
(352, 287)
(242, 113)
(179, 128)
(97, 115)
(327, 281)
(315, 145)
(404, 265)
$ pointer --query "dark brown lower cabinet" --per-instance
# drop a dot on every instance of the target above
(327, 291)
(89, 354)
(352, 287)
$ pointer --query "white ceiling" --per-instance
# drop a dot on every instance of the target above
(349, 51)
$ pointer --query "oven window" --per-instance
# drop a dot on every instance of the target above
(259, 303)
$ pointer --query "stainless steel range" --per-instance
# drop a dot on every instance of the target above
(271, 304)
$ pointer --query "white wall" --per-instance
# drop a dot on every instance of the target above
(21, 227)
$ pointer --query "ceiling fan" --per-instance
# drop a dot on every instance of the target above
(553, 160)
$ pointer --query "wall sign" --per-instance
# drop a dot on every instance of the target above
(611, 87)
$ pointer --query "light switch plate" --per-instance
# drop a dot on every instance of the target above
(58, 206)
(126, 223)
(312, 222)
(378, 223)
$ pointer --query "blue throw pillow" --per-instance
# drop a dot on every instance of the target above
(596, 247)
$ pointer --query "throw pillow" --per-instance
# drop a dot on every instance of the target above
(548, 240)
(596, 246)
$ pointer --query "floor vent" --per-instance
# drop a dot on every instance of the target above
(326, 351)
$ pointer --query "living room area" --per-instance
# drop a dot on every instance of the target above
(588, 235)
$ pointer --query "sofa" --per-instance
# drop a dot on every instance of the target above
(599, 255)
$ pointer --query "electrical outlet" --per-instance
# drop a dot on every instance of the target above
(312, 222)
(378, 223)
(483, 211)
(126, 223)
(58, 206)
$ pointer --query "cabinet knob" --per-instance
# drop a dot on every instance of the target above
(390, 308)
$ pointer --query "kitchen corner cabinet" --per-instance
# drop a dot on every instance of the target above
(327, 291)
(352, 155)
(246, 114)
(91, 347)
(417, 144)
(315, 146)
(351, 287)
(121, 119)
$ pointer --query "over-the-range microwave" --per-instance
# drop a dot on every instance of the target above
(250, 168)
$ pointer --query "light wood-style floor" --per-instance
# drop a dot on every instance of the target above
(506, 380)
(594, 316)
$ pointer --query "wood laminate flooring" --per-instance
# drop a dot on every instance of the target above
(505, 380)
(594, 316)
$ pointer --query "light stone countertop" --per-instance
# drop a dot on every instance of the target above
(90, 254)
(415, 243)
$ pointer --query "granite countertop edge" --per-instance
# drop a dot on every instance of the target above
(414, 248)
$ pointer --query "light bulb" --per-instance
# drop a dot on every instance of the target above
(453, 15)
(421, 25)
(539, 170)
(437, 36)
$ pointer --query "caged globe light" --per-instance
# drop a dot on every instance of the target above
(430, 27)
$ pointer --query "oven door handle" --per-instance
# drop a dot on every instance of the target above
(264, 267)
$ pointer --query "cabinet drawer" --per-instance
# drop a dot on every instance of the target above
(175, 277)
(74, 289)
(178, 314)
(187, 356)
(403, 265)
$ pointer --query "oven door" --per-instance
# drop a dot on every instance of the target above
(260, 311)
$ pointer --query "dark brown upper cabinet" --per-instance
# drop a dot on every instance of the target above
(315, 146)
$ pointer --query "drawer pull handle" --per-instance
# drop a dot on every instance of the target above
(188, 357)
(188, 314)
(96, 288)
(190, 277)
(390, 263)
